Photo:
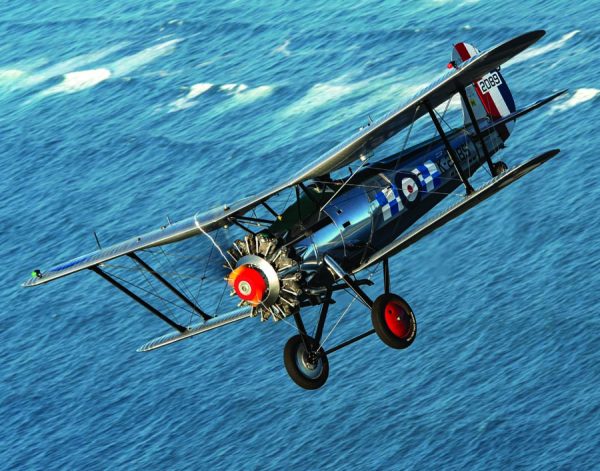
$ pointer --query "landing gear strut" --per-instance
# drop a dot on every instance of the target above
(393, 321)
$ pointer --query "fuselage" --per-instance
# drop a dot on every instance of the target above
(370, 209)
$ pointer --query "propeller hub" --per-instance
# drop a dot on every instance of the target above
(249, 284)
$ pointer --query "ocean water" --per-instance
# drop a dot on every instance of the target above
(117, 114)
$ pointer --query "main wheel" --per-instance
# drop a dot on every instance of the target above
(308, 368)
(394, 321)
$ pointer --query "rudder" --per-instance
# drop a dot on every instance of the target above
(489, 96)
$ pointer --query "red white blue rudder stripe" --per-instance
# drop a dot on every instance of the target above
(490, 93)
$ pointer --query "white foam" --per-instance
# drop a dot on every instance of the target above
(181, 104)
(198, 89)
(283, 48)
(580, 96)
(77, 81)
(233, 87)
(253, 94)
(128, 64)
(9, 75)
(319, 95)
(188, 101)
(540, 50)
(70, 65)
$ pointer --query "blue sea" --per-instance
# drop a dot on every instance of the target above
(117, 115)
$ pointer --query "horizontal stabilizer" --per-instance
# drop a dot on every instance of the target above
(196, 329)
(483, 193)
(520, 113)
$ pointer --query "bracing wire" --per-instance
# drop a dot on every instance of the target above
(343, 314)
(412, 124)
(183, 287)
(143, 272)
(208, 260)
(343, 185)
(135, 285)
(216, 245)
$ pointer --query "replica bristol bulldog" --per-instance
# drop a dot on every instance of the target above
(287, 258)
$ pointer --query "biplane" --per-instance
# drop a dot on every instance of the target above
(335, 229)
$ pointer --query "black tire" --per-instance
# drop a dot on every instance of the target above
(305, 374)
(394, 321)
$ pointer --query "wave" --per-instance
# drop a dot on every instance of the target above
(540, 50)
(387, 93)
(241, 93)
(188, 101)
(580, 96)
(319, 95)
(70, 65)
(128, 64)
(10, 75)
(233, 87)
(253, 94)
(283, 48)
(77, 81)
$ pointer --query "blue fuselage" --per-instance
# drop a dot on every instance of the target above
(384, 199)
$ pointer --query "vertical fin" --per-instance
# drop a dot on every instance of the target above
(489, 96)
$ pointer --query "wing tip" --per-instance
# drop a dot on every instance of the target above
(35, 280)
(528, 39)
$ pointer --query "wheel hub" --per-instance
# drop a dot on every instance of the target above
(396, 319)
(308, 362)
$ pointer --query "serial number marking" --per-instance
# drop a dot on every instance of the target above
(490, 81)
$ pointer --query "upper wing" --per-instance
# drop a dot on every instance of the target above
(483, 193)
(362, 142)
(436, 93)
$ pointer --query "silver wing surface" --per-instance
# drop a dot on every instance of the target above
(348, 151)
(196, 329)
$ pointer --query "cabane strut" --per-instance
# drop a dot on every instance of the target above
(449, 148)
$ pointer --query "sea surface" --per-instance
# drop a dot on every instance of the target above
(117, 115)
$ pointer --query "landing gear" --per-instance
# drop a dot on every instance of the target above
(394, 321)
(306, 365)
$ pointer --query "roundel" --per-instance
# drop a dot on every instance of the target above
(410, 189)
